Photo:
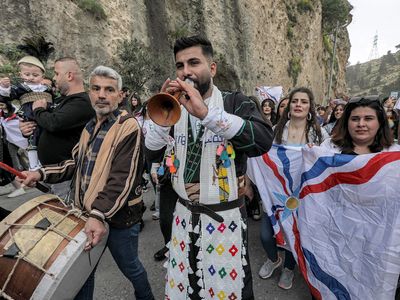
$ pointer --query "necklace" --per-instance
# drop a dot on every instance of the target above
(296, 136)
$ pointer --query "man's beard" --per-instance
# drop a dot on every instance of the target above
(202, 87)
(103, 111)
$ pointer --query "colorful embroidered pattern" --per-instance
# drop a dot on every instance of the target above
(220, 256)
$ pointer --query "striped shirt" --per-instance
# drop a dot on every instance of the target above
(94, 144)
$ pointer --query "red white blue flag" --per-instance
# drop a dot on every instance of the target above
(339, 214)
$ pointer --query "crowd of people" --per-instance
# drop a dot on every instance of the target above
(94, 148)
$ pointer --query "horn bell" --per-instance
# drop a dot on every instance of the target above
(164, 109)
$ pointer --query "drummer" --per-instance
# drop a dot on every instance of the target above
(107, 165)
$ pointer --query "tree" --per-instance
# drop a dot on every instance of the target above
(136, 64)
(335, 13)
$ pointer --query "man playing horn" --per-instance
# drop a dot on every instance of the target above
(207, 160)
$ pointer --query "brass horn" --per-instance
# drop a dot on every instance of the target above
(164, 109)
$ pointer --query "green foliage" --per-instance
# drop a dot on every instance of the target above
(294, 68)
(377, 80)
(8, 70)
(389, 58)
(289, 32)
(328, 43)
(136, 65)
(291, 14)
(390, 87)
(368, 69)
(93, 7)
(304, 6)
(382, 67)
(335, 12)
(11, 52)
(181, 31)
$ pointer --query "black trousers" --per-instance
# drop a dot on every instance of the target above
(168, 199)
(3, 213)
(247, 291)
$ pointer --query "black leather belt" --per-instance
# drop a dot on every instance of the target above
(211, 209)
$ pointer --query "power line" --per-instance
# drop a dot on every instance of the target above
(374, 51)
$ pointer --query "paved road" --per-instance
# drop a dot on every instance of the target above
(112, 285)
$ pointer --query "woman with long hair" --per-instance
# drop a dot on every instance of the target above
(297, 126)
(392, 116)
(268, 109)
(281, 108)
(362, 129)
(335, 116)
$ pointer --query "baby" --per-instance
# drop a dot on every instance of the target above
(31, 88)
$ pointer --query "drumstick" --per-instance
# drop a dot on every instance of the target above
(17, 173)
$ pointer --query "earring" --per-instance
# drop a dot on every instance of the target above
(309, 116)
(288, 115)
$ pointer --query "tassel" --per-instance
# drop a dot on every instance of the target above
(198, 243)
(190, 290)
(196, 229)
(200, 265)
(199, 273)
(202, 293)
(244, 262)
(165, 265)
(243, 250)
(200, 282)
(190, 270)
(168, 244)
(244, 226)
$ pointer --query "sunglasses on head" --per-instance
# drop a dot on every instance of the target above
(370, 98)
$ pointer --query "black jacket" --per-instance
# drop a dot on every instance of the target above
(61, 126)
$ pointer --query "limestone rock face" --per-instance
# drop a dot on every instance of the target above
(255, 41)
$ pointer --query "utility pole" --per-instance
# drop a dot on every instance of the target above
(332, 63)
(374, 54)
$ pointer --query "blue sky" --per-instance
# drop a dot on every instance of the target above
(371, 17)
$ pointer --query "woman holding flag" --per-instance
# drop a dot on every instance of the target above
(363, 129)
(297, 126)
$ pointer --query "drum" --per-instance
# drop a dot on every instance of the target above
(41, 251)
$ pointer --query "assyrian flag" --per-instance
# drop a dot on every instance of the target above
(339, 214)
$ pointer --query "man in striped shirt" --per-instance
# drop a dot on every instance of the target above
(106, 168)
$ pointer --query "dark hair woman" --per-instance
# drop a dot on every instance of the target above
(335, 116)
(134, 103)
(392, 116)
(298, 124)
(268, 109)
(281, 108)
(362, 129)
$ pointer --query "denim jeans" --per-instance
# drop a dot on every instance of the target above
(269, 243)
(123, 245)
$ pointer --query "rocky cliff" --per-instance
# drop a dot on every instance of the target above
(257, 42)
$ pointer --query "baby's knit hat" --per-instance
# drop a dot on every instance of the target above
(33, 61)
